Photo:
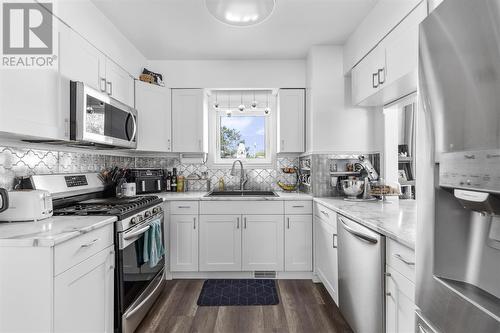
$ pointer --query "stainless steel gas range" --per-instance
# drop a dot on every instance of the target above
(138, 281)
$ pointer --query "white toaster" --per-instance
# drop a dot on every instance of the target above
(27, 205)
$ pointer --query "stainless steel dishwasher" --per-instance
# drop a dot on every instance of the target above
(361, 282)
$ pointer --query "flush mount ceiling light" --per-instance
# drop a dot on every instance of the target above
(241, 13)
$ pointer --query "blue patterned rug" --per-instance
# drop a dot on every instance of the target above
(238, 292)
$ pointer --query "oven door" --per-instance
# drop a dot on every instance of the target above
(133, 273)
(98, 119)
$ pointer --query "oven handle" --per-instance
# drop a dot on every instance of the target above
(137, 233)
(140, 305)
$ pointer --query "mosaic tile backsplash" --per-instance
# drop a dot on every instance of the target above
(22, 162)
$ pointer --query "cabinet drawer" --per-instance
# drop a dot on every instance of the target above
(325, 214)
(184, 208)
(260, 207)
(298, 207)
(74, 251)
(401, 258)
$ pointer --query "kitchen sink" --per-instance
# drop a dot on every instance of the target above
(242, 194)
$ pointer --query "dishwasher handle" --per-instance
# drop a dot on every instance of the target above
(358, 234)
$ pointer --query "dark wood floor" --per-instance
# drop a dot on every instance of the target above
(304, 307)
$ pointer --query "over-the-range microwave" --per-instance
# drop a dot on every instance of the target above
(96, 119)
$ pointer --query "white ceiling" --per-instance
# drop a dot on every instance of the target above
(183, 29)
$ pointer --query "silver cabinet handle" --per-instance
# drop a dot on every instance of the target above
(137, 233)
(89, 244)
(237, 223)
(183, 206)
(282, 144)
(245, 222)
(143, 185)
(158, 182)
(333, 241)
(375, 80)
(406, 261)
(108, 88)
(102, 84)
(297, 206)
(288, 223)
(381, 71)
(194, 222)
(324, 213)
(358, 234)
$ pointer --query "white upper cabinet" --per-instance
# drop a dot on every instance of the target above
(153, 104)
(368, 76)
(30, 105)
(379, 22)
(119, 83)
(188, 121)
(291, 124)
(81, 61)
(389, 71)
(220, 242)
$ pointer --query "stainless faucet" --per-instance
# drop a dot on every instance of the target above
(243, 180)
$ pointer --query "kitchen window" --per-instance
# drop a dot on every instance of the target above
(241, 135)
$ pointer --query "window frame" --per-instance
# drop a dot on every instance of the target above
(214, 140)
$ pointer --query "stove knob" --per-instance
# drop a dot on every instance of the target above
(134, 220)
(156, 210)
(147, 214)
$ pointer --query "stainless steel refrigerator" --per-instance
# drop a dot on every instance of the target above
(458, 144)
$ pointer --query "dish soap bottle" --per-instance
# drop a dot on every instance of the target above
(221, 184)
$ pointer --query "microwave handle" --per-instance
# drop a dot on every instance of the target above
(134, 133)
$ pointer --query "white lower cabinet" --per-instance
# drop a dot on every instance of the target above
(298, 243)
(399, 288)
(184, 243)
(220, 243)
(400, 303)
(39, 294)
(326, 255)
(83, 295)
(262, 243)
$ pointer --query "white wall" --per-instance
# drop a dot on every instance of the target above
(84, 17)
(231, 73)
(333, 124)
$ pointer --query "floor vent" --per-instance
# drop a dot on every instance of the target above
(264, 274)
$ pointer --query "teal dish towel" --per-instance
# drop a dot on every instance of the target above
(153, 244)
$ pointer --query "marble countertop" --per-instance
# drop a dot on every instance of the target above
(50, 231)
(187, 196)
(396, 220)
